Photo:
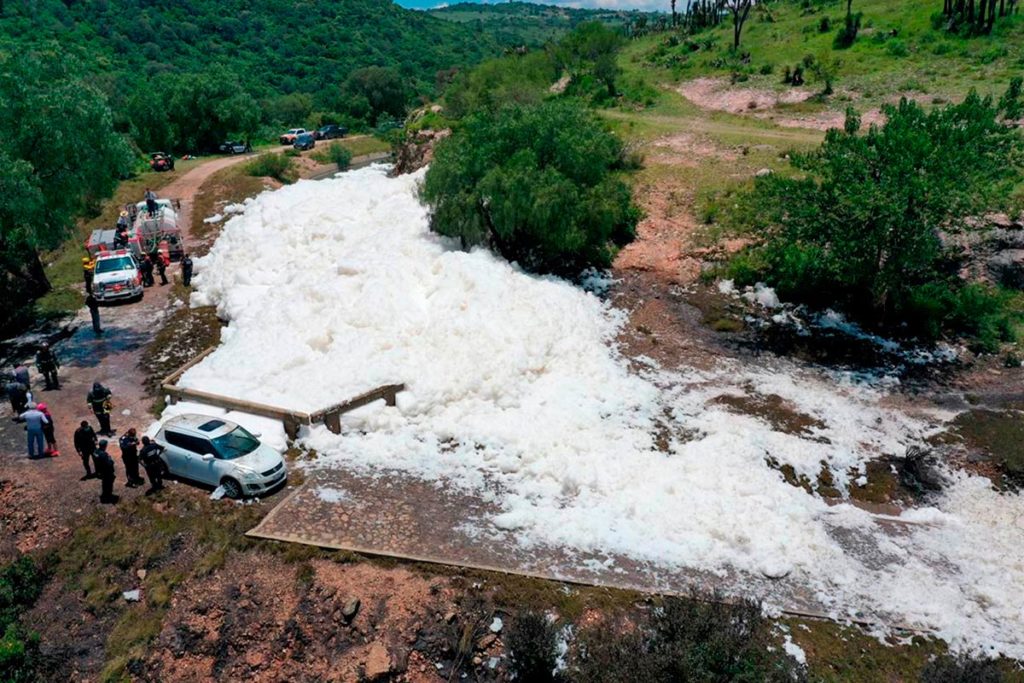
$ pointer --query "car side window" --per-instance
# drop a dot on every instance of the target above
(175, 439)
(192, 444)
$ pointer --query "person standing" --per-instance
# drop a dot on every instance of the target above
(129, 444)
(186, 270)
(105, 472)
(34, 420)
(49, 431)
(146, 266)
(47, 363)
(85, 446)
(161, 265)
(150, 457)
(88, 269)
(94, 313)
(21, 374)
(18, 395)
(151, 205)
(101, 401)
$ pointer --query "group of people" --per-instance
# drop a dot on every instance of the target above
(99, 464)
(42, 438)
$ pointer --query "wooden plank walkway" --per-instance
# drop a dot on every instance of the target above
(290, 419)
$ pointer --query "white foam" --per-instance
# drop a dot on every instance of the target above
(514, 391)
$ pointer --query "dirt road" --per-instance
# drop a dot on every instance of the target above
(39, 499)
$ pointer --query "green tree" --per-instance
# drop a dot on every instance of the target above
(859, 230)
(592, 48)
(59, 153)
(203, 109)
(538, 184)
(374, 91)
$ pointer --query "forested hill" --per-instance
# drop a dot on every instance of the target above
(527, 23)
(274, 46)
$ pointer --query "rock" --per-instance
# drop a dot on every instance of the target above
(350, 609)
(763, 173)
(378, 662)
(254, 658)
(486, 641)
(1007, 267)
(496, 625)
(449, 617)
(478, 660)
(418, 150)
(918, 472)
(132, 596)
(141, 573)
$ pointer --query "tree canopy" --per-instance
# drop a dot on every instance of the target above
(537, 183)
(58, 154)
(860, 229)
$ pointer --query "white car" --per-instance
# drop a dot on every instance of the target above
(218, 452)
(116, 276)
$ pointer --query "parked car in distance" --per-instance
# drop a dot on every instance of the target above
(159, 161)
(235, 147)
(218, 452)
(331, 131)
(304, 141)
(289, 137)
(116, 276)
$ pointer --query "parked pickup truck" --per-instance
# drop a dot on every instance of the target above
(289, 137)
(117, 276)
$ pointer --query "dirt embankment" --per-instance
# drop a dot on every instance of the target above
(780, 107)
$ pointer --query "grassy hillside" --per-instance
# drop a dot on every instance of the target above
(524, 23)
(898, 51)
(272, 47)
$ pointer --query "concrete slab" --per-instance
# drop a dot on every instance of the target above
(395, 515)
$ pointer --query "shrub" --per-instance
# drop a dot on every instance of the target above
(335, 153)
(848, 31)
(538, 184)
(946, 669)
(897, 48)
(272, 165)
(686, 640)
(21, 583)
(533, 641)
(825, 25)
(1011, 104)
(292, 153)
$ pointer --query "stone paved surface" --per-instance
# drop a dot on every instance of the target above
(395, 515)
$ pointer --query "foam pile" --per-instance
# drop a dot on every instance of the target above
(516, 392)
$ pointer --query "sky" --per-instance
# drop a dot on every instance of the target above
(658, 5)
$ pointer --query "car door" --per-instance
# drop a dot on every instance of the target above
(177, 454)
(205, 467)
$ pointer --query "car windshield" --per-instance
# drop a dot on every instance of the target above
(110, 265)
(235, 444)
(294, 131)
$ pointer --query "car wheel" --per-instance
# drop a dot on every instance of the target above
(232, 489)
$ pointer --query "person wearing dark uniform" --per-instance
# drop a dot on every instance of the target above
(85, 446)
(47, 363)
(147, 271)
(186, 270)
(99, 399)
(105, 472)
(94, 313)
(150, 456)
(129, 444)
